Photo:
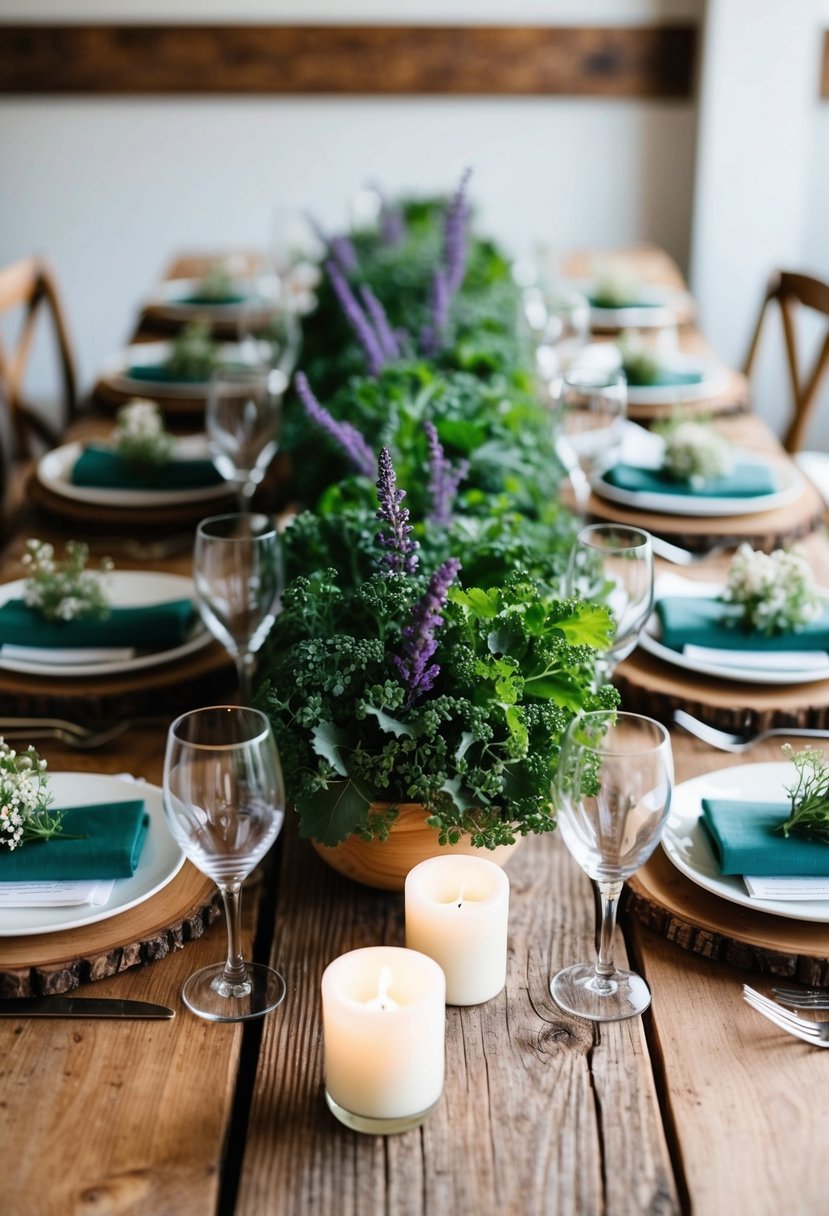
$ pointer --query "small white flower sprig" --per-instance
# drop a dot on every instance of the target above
(140, 436)
(694, 452)
(641, 364)
(24, 798)
(64, 590)
(775, 590)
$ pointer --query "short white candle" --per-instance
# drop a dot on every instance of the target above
(384, 1023)
(457, 909)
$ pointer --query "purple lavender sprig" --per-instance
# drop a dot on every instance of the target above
(420, 644)
(344, 434)
(432, 334)
(400, 556)
(455, 235)
(444, 478)
(340, 247)
(357, 319)
(386, 336)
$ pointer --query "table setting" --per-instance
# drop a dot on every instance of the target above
(431, 638)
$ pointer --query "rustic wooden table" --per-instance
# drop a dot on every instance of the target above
(698, 1106)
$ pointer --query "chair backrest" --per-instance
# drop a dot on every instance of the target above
(28, 286)
(790, 290)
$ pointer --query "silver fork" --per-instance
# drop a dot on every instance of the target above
(684, 557)
(727, 742)
(816, 1033)
(803, 998)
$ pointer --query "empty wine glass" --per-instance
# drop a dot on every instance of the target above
(559, 321)
(270, 336)
(590, 411)
(613, 564)
(224, 800)
(613, 785)
(244, 414)
(237, 571)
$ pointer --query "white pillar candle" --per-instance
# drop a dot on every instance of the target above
(457, 910)
(384, 1023)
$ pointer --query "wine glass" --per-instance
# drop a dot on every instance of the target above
(224, 800)
(237, 571)
(590, 410)
(613, 564)
(559, 322)
(244, 415)
(613, 786)
(270, 337)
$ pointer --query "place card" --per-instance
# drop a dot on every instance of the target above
(787, 887)
(94, 892)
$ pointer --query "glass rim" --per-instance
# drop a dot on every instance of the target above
(270, 530)
(629, 716)
(258, 737)
(645, 543)
(242, 373)
(582, 376)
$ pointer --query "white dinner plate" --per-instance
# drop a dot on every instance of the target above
(660, 306)
(126, 589)
(789, 482)
(160, 861)
(114, 371)
(714, 375)
(650, 641)
(687, 845)
(295, 291)
(54, 471)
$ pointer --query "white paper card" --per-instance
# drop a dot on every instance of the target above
(49, 656)
(787, 887)
(94, 892)
(761, 660)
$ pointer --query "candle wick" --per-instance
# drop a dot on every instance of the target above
(460, 897)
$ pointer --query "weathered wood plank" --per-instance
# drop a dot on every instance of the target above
(744, 1101)
(541, 1113)
(623, 61)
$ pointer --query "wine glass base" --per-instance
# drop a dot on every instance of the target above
(580, 991)
(210, 996)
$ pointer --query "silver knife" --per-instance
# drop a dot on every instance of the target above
(80, 1007)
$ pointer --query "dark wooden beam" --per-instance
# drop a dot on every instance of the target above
(824, 71)
(587, 61)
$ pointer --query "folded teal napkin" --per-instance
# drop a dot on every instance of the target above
(151, 627)
(663, 379)
(600, 302)
(159, 373)
(745, 842)
(690, 620)
(105, 469)
(113, 836)
(197, 298)
(744, 481)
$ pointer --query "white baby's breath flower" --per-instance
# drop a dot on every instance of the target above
(64, 590)
(140, 436)
(694, 452)
(776, 590)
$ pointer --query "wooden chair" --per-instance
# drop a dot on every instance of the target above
(28, 286)
(790, 290)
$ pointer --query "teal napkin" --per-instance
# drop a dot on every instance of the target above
(600, 302)
(104, 468)
(151, 627)
(744, 481)
(159, 373)
(745, 842)
(197, 298)
(663, 378)
(698, 621)
(114, 834)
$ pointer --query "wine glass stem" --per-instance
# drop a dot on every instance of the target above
(245, 666)
(234, 971)
(246, 492)
(610, 892)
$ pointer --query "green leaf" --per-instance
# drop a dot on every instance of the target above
(482, 604)
(392, 726)
(454, 788)
(507, 638)
(333, 813)
(467, 739)
(517, 728)
(331, 743)
(556, 687)
(463, 436)
(587, 625)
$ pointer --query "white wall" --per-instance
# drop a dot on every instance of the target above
(109, 188)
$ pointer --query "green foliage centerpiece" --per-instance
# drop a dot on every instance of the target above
(404, 686)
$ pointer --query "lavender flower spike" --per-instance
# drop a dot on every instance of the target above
(341, 248)
(357, 319)
(430, 337)
(419, 646)
(443, 478)
(377, 315)
(455, 235)
(400, 555)
(343, 433)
